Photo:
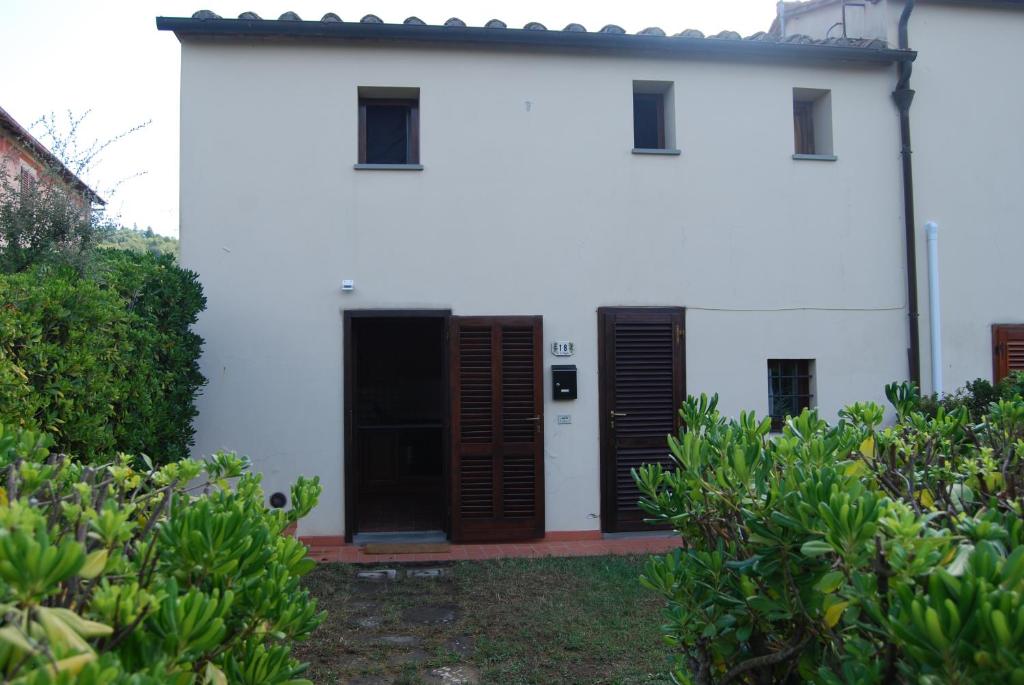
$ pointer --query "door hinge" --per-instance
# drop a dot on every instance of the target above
(680, 333)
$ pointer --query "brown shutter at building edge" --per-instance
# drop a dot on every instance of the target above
(497, 429)
(1007, 350)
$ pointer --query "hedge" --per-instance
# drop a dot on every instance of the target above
(847, 553)
(106, 361)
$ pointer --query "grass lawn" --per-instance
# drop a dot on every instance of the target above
(573, 620)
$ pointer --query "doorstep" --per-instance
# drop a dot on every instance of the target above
(561, 544)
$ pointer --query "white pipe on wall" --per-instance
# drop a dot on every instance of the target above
(931, 230)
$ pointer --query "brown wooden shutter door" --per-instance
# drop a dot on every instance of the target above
(497, 429)
(642, 386)
(1007, 350)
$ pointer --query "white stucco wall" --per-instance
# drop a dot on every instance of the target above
(530, 203)
(968, 172)
(968, 143)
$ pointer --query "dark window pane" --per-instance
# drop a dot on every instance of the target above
(647, 121)
(387, 134)
(803, 127)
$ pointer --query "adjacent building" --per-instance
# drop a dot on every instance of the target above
(968, 163)
(25, 161)
(466, 275)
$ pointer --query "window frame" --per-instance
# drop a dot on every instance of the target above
(806, 374)
(813, 124)
(413, 142)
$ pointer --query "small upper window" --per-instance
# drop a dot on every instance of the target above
(652, 117)
(812, 123)
(389, 129)
(790, 388)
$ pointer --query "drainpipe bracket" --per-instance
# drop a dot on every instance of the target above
(903, 97)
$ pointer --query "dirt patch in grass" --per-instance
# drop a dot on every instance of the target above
(505, 622)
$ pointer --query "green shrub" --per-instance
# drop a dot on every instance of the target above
(112, 575)
(106, 361)
(64, 347)
(976, 395)
(164, 301)
(846, 553)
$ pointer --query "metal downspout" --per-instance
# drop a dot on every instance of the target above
(931, 230)
(903, 96)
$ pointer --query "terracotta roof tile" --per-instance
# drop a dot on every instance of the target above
(615, 29)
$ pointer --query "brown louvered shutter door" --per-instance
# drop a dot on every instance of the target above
(1007, 349)
(642, 386)
(497, 429)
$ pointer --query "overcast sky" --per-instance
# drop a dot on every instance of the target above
(107, 56)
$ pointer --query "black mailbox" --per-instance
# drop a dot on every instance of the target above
(563, 381)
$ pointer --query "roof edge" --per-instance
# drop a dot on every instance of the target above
(713, 46)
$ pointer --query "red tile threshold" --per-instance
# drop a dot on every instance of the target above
(590, 547)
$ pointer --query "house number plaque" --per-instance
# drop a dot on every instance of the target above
(563, 348)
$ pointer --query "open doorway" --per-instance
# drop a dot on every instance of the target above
(397, 410)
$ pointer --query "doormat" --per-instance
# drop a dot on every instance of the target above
(406, 547)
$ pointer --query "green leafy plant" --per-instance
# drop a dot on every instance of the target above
(975, 395)
(125, 573)
(163, 301)
(846, 553)
(106, 361)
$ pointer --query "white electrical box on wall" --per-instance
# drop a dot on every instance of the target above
(348, 285)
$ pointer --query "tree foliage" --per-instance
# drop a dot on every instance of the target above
(41, 223)
(846, 553)
(140, 241)
(125, 574)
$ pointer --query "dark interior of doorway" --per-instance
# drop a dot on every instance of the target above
(399, 410)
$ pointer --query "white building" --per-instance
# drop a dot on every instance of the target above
(403, 229)
(968, 151)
